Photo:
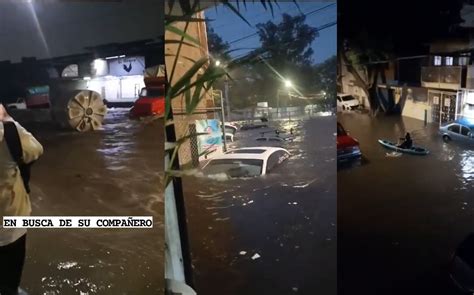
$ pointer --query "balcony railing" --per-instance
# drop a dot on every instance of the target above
(442, 76)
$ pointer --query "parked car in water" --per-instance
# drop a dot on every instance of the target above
(20, 104)
(347, 146)
(347, 102)
(246, 162)
(230, 130)
(460, 130)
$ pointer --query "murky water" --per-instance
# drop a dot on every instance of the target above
(400, 218)
(113, 171)
(287, 217)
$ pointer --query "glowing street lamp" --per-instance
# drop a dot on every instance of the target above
(218, 63)
(288, 84)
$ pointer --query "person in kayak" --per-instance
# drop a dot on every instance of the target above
(407, 142)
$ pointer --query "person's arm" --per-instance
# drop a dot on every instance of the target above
(32, 149)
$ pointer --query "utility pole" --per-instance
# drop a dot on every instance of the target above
(226, 93)
(219, 93)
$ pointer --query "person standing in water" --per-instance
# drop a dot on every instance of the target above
(17, 148)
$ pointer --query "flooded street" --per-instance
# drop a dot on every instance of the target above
(113, 171)
(274, 234)
(401, 218)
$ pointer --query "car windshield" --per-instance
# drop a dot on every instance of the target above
(247, 151)
(340, 130)
(152, 92)
(347, 98)
(234, 167)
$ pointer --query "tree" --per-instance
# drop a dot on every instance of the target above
(325, 75)
(285, 51)
(218, 48)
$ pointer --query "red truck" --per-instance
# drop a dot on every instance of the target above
(151, 101)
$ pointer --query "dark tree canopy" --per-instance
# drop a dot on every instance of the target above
(289, 41)
(218, 48)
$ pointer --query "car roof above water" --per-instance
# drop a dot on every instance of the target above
(260, 153)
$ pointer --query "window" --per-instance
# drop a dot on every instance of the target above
(234, 167)
(340, 130)
(463, 61)
(454, 128)
(437, 60)
(465, 131)
(449, 60)
(246, 151)
(272, 162)
(275, 159)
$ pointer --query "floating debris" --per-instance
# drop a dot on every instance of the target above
(255, 256)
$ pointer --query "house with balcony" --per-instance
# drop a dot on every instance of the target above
(436, 87)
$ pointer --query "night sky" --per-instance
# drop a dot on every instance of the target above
(230, 27)
(69, 27)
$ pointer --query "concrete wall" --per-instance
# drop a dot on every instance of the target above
(349, 87)
(416, 110)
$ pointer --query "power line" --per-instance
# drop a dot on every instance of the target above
(256, 33)
(325, 26)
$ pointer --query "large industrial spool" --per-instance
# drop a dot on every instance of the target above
(76, 108)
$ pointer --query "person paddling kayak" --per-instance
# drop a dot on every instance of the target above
(407, 142)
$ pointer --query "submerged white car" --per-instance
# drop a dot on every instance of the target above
(347, 102)
(246, 162)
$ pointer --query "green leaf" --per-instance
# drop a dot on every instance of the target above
(181, 42)
(182, 34)
(209, 74)
(183, 57)
(177, 88)
(235, 10)
(187, 95)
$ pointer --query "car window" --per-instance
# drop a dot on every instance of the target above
(339, 99)
(276, 159)
(454, 128)
(246, 151)
(348, 98)
(465, 131)
(340, 130)
(234, 167)
(272, 162)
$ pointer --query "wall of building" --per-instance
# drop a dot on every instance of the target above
(349, 87)
(184, 63)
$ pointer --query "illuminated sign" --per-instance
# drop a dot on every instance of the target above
(127, 66)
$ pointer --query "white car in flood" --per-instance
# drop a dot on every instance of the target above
(347, 102)
(246, 162)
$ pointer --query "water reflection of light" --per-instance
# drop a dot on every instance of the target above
(467, 166)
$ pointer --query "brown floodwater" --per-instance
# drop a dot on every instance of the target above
(274, 234)
(400, 217)
(117, 170)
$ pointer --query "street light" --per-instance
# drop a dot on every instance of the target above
(218, 63)
(288, 83)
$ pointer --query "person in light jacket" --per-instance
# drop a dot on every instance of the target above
(14, 201)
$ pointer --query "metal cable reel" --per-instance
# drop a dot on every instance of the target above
(86, 111)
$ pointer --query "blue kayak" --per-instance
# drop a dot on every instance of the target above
(414, 150)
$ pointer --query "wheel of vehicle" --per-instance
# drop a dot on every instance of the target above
(446, 138)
